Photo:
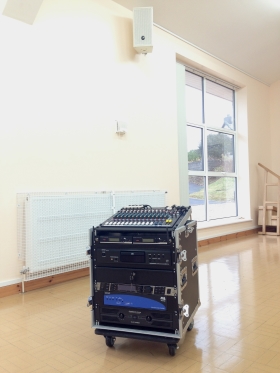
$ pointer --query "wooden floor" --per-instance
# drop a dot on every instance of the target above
(237, 328)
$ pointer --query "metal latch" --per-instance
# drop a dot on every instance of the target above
(179, 248)
(184, 278)
(186, 310)
(190, 229)
(183, 255)
(90, 302)
(88, 250)
(194, 265)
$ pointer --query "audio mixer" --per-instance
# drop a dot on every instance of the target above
(144, 216)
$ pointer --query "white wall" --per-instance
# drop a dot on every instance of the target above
(275, 126)
(65, 80)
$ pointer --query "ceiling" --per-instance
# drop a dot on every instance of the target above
(242, 33)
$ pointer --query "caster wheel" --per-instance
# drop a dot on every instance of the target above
(110, 341)
(190, 326)
(172, 349)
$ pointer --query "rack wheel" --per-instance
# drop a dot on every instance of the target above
(110, 341)
(172, 349)
(190, 326)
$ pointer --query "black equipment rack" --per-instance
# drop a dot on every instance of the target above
(144, 275)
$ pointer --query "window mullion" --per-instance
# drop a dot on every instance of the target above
(222, 174)
(205, 152)
(235, 139)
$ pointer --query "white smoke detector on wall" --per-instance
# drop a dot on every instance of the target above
(143, 29)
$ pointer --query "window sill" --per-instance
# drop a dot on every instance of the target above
(220, 222)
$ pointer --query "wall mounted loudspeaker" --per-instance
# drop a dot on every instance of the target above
(143, 29)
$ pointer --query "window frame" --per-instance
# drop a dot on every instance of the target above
(205, 128)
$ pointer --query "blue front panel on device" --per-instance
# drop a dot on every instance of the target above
(126, 300)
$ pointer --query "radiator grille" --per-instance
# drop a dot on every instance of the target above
(53, 228)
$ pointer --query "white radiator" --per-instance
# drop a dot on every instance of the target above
(53, 228)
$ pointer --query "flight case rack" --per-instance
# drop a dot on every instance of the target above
(144, 275)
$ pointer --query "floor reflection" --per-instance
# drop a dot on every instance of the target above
(237, 327)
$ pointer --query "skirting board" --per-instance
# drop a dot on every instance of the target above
(42, 282)
(10, 290)
(227, 237)
(56, 279)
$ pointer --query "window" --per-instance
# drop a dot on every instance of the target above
(211, 142)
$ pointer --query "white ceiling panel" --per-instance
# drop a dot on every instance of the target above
(22, 10)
